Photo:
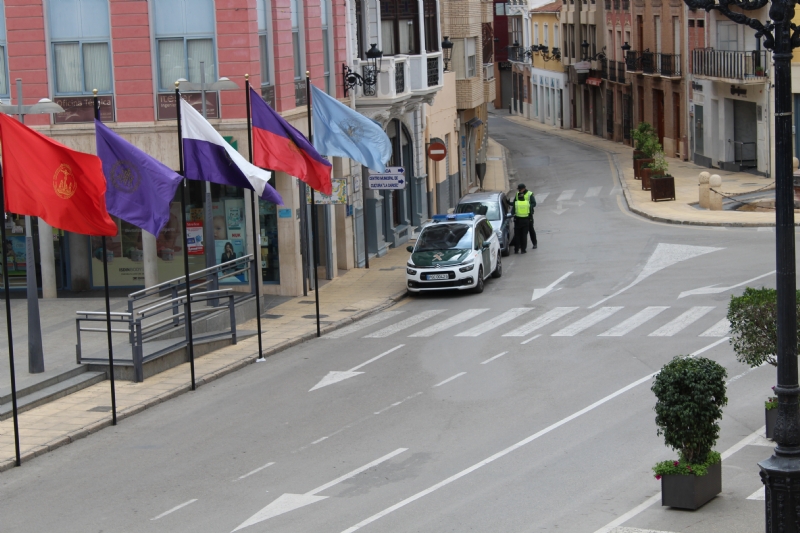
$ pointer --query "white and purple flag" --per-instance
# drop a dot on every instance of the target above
(209, 157)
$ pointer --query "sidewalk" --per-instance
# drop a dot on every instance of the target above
(686, 183)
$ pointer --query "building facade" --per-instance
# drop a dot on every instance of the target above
(583, 50)
(548, 79)
(618, 96)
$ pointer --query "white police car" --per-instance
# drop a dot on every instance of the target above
(457, 251)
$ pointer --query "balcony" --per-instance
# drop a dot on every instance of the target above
(391, 84)
(433, 71)
(738, 67)
(612, 71)
(603, 69)
(633, 61)
(665, 65)
(620, 71)
(425, 72)
(516, 54)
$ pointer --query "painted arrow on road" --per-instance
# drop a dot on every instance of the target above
(560, 207)
(337, 376)
(713, 289)
(538, 293)
(289, 502)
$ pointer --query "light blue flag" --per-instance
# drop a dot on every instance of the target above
(342, 132)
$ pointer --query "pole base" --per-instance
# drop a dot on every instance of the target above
(781, 477)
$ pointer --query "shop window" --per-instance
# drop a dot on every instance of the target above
(399, 27)
(270, 261)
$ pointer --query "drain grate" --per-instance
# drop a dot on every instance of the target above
(306, 301)
(348, 310)
(100, 409)
(271, 317)
(315, 316)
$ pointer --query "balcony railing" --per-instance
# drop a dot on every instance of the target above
(516, 54)
(400, 77)
(668, 65)
(433, 71)
(620, 71)
(612, 71)
(604, 69)
(731, 65)
(633, 61)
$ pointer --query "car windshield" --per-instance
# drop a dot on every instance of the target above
(445, 237)
(490, 209)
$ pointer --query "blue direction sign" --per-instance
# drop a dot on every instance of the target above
(393, 178)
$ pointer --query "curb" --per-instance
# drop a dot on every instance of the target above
(200, 380)
(629, 200)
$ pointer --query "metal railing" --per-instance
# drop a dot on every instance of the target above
(433, 71)
(620, 71)
(633, 61)
(729, 64)
(604, 69)
(400, 77)
(169, 298)
(612, 71)
(668, 65)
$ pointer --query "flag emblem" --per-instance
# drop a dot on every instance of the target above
(125, 176)
(352, 129)
(64, 182)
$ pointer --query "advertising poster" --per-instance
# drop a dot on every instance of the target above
(233, 245)
(194, 238)
(15, 248)
(125, 257)
(220, 225)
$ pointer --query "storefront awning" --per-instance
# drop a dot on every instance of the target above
(594, 81)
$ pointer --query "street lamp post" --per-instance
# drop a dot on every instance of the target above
(35, 349)
(222, 84)
(781, 472)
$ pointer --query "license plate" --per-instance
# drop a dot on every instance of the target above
(438, 276)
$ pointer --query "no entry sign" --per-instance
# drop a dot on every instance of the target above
(437, 151)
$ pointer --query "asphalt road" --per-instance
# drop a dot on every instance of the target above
(542, 422)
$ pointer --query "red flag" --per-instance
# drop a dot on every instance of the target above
(44, 178)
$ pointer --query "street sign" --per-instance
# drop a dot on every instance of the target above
(393, 178)
(437, 151)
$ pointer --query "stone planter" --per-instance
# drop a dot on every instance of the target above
(771, 416)
(662, 188)
(638, 164)
(647, 174)
(691, 492)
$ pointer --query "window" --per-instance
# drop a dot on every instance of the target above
(727, 36)
(536, 34)
(545, 36)
(676, 35)
(470, 47)
(326, 46)
(184, 40)
(296, 40)
(80, 35)
(3, 62)
(556, 39)
(399, 30)
(500, 10)
(657, 22)
(264, 41)
(593, 40)
(431, 26)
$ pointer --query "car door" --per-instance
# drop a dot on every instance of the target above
(508, 227)
(479, 240)
(488, 238)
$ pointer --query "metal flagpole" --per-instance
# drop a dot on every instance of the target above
(256, 247)
(313, 205)
(7, 295)
(108, 304)
(189, 339)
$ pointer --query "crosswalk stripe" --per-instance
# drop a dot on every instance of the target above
(361, 324)
(404, 324)
(540, 322)
(626, 326)
(683, 321)
(593, 191)
(720, 329)
(758, 495)
(586, 322)
(541, 196)
(615, 190)
(565, 195)
(499, 320)
(430, 331)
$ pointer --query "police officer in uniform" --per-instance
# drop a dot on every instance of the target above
(524, 202)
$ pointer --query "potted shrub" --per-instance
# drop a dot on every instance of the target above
(645, 145)
(754, 335)
(690, 395)
(657, 167)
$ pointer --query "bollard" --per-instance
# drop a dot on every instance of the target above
(703, 189)
(714, 197)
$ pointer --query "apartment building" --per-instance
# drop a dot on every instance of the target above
(548, 79)
(583, 49)
(618, 97)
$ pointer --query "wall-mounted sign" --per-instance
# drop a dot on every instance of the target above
(81, 108)
(437, 151)
(166, 104)
(393, 178)
(284, 213)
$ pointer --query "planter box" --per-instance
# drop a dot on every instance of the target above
(638, 164)
(691, 492)
(662, 188)
(771, 416)
(647, 175)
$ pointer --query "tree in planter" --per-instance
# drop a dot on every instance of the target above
(643, 132)
(690, 395)
(659, 165)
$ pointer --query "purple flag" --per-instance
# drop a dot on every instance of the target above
(139, 187)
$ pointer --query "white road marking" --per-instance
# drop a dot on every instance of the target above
(743, 374)
(636, 530)
(765, 229)
(758, 495)
(586, 322)
(451, 378)
(493, 358)
(616, 190)
(540, 322)
(566, 195)
(593, 191)
(634, 322)
(404, 324)
(497, 321)
(395, 404)
(663, 256)
(259, 469)
(361, 324)
(541, 197)
(430, 331)
(290, 502)
(181, 506)
(538, 293)
(720, 329)
(335, 376)
(531, 339)
(713, 289)
(610, 527)
(681, 322)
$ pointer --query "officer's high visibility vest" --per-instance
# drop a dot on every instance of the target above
(522, 208)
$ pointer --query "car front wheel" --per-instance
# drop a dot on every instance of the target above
(479, 284)
(498, 269)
